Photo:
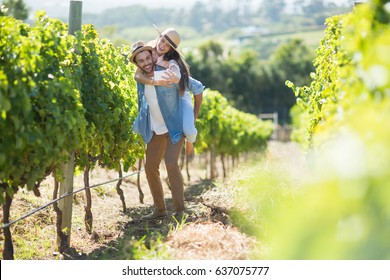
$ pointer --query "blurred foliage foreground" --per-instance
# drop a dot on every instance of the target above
(341, 209)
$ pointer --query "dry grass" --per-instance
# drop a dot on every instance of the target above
(202, 241)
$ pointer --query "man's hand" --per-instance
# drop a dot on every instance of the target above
(162, 83)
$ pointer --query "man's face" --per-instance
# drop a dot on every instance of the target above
(144, 61)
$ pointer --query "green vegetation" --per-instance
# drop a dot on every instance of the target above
(236, 57)
(15, 8)
(226, 131)
(207, 19)
(250, 34)
(249, 84)
(219, 122)
(109, 98)
(42, 117)
(63, 94)
(339, 209)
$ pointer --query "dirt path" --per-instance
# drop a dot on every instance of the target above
(207, 232)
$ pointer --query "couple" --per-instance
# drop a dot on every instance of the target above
(164, 114)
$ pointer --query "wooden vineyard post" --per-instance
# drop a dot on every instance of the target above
(213, 161)
(65, 205)
(75, 14)
(66, 186)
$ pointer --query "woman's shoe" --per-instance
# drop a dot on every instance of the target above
(191, 156)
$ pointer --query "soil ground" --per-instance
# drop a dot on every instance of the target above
(205, 233)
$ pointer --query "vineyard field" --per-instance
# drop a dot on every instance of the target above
(117, 234)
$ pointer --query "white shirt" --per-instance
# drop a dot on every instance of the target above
(156, 118)
(176, 69)
(157, 121)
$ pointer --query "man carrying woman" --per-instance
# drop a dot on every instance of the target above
(160, 122)
(166, 54)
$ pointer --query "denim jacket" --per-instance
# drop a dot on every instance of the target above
(169, 102)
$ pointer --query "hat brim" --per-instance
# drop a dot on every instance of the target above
(137, 51)
(152, 43)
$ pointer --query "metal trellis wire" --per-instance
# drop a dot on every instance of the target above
(62, 197)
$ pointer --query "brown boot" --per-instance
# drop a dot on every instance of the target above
(156, 214)
(179, 216)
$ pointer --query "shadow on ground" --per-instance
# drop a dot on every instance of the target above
(136, 236)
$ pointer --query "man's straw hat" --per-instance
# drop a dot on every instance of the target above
(138, 47)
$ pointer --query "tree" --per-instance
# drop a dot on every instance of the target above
(211, 50)
(198, 13)
(208, 66)
(252, 86)
(298, 6)
(316, 9)
(273, 10)
(293, 61)
(15, 8)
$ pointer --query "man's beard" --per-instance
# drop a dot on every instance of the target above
(146, 67)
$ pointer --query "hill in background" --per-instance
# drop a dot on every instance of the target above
(233, 23)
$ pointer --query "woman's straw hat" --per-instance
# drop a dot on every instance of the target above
(171, 35)
(173, 38)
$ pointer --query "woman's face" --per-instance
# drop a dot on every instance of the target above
(162, 46)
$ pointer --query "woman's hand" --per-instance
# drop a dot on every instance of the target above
(168, 78)
(171, 76)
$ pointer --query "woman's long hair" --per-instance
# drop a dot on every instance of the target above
(184, 68)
